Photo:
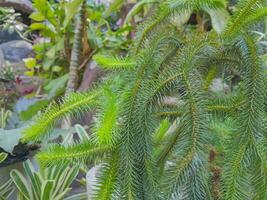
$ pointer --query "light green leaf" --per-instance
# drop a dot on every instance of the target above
(3, 156)
(71, 9)
(38, 26)
(61, 195)
(6, 190)
(161, 131)
(10, 138)
(21, 184)
(47, 189)
(46, 29)
(30, 63)
(35, 182)
(219, 19)
(45, 8)
(115, 6)
(56, 68)
(83, 135)
(37, 16)
(108, 62)
(137, 8)
(107, 121)
(56, 86)
(29, 73)
(54, 49)
(70, 176)
(31, 107)
(182, 18)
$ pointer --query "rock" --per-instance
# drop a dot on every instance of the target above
(12, 53)
(24, 6)
(7, 36)
(16, 50)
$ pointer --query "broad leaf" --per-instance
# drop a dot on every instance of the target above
(47, 189)
(10, 138)
(56, 86)
(21, 183)
(219, 19)
(2, 157)
(71, 9)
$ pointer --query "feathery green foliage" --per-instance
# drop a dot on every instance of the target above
(142, 160)
(71, 105)
(114, 63)
(247, 12)
(78, 153)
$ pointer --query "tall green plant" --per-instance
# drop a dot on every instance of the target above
(138, 164)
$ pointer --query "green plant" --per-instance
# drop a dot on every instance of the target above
(6, 189)
(54, 21)
(146, 157)
(7, 87)
(10, 21)
(50, 183)
(2, 157)
(4, 115)
(62, 56)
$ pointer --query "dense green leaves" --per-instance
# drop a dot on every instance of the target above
(114, 63)
(71, 9)
(142, 160)
(71, 105)
(79, 153)
(247, 12)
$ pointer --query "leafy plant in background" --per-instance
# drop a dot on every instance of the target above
(58, 61)
(51, 183)
(10, 21)
(54, 23)
(145, 157)
(104, 34)
(7, 87)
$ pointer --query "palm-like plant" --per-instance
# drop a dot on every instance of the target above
(146, 158)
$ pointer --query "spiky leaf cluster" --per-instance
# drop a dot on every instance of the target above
(151, 148)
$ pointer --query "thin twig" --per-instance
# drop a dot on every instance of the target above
(87, 59)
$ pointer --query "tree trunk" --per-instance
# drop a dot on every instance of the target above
(76, 53)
